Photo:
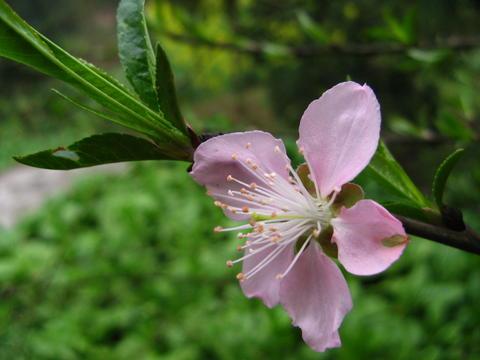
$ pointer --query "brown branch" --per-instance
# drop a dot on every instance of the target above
(311, 50)
(466, 240)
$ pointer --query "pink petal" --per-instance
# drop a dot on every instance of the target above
(264, 284)
(213, 162)
(360, 234)
(339, 133)
(317, 298)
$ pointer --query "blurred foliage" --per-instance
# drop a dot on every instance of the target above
(128, 267)
(426, 94)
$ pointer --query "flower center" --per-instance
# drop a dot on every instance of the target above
(279, 210)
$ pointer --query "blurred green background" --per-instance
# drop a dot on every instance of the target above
(127, 267)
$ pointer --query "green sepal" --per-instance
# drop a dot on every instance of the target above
(304, 174)
(325, 241)
(348, 196)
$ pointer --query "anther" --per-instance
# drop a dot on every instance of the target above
(279, 277)
(253, 186)
(316, 233)
(217, 229)
(245, 209)
(230, 192)
(234, 156)
(241, 276)
(229, 263)
(248, 145)
(229, 178)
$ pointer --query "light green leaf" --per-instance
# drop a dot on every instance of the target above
(135, 50)
(165, 87)
(386, 170)
(95, 150)
(442, 174)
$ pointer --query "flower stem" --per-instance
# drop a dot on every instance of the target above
(466, 240)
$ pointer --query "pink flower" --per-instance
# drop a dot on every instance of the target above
(297, 220)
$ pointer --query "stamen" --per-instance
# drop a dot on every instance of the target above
(281, 276)
(241, 276)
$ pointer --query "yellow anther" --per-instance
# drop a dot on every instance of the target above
(234, 156)
(241, 276)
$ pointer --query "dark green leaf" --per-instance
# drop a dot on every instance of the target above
(442, 174)
(135, 49)
(410, 211)
(167, 96)
(20, 42)
(386, 169)
(95, 150)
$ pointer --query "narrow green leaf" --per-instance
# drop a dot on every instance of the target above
(442, 174)
(86, 108)
(95, 150)
(167, 95)
(386, 169)
(20, 42)
(406, 209)
(135, 49)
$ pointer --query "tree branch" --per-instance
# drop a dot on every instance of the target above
(466, 240)
(302, 51)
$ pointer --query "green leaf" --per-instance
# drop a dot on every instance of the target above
(312, 29)
(388, 172)
(95, 150)
(442, 174)
(20, 42)
(165, 87)
(135, 49)
(405, 209)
